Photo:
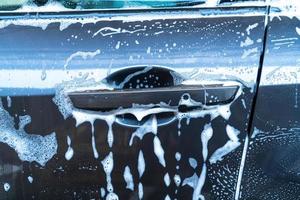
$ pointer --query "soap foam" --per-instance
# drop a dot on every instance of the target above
(29, 147)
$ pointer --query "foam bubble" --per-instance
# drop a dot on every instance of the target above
(167, 180)
(30, 179)
(29, 147)
(128, 178)
(141, 164)
(70, 152)
(159, 151)
(6, 187)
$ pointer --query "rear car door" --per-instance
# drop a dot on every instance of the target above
(128, 103)
(272, 164)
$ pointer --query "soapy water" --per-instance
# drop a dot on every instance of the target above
(29, 147)
(150, 126)
(108, 165)
(159, 151)
(42, 148)
(81, 54)
(128, 178)
(141, 169)
(167, 180)
(8, 99)
(6, 187)
(230, 145)
(70, 151)
(177, 180)
(30, 179)
(206, 135)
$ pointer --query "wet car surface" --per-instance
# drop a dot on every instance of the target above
(188, 102)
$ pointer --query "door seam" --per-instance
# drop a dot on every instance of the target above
(259, 72)
(252, 111)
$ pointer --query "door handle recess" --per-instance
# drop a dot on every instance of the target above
(151, 87)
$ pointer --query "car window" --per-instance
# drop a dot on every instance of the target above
(93, 4)
(237, 1)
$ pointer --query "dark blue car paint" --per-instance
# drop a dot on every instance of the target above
(271, 168)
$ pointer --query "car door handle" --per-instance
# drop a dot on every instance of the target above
(153, 88)
(107, 100)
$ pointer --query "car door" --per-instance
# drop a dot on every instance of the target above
(272, 164)
(128, 103)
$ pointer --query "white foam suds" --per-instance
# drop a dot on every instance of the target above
(167, 197)
(106, 31)
(30, 179)
(139, 111)
(90, 116)
(191, 181)
(247, 42)
(206, 135)
(159, 151)
(197, 191)
(102, 192)
(118, 45)
(95, 152)
(110, 137)
(29, 147)
(141, 170)
(249, 52)
(108, 165)
(177, 156)
(224, 111)
(251, 27)
(128, 178)
(167, 180)
(141, 191)
(82, 54)
(23, 121)
(8, 99)
(177, 180)
(85, 116)
(150, 126)
(70, 151)
(141, 164)
(112, 196)
(193, 163)
(6, 187)
(230, 145)
(256, 131)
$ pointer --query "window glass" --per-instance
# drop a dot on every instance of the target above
(239, 1)
(94, 4)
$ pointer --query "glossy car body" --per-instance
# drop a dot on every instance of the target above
(243, 146)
